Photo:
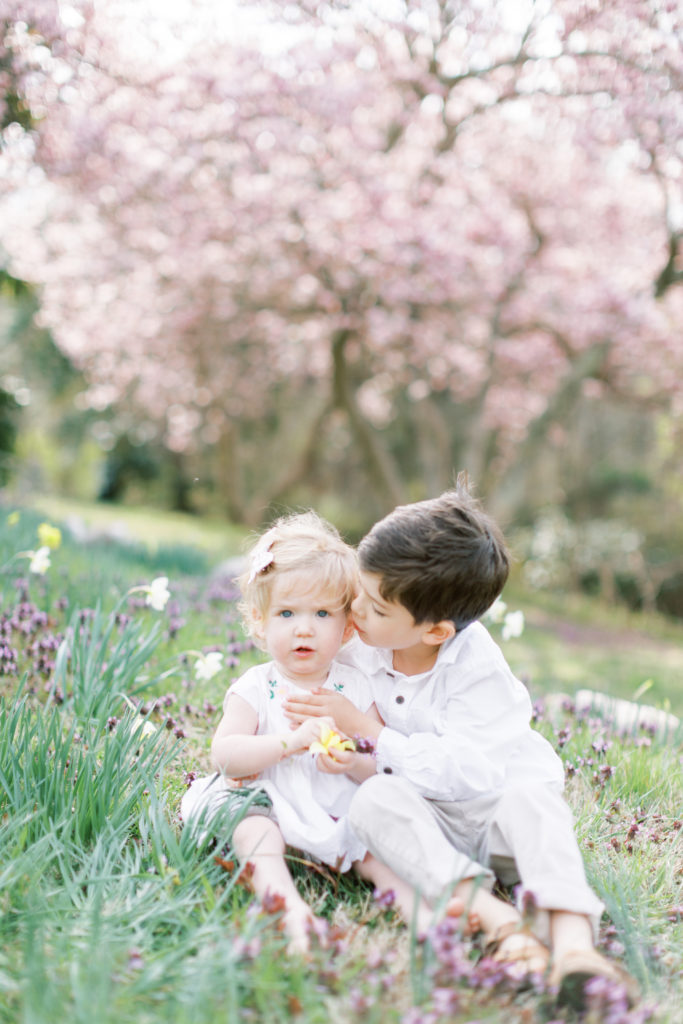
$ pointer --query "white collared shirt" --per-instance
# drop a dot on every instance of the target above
(460, 730)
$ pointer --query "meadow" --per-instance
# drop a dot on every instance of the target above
(110, 912)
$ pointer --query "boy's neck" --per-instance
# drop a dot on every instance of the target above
(413, 661)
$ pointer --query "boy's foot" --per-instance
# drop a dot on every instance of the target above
(572, 971)
(515, 947)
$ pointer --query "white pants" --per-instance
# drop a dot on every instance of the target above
(524, 834)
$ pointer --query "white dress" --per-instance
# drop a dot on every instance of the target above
(310, 806)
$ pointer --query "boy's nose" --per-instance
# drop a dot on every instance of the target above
(357, 606)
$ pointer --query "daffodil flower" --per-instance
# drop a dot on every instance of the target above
(49, 536)
(207, 665)
(496, 612)
(13, 518)
(40, 561)
(513, 625)
(156, 593)
(329, 742)
(148, 729)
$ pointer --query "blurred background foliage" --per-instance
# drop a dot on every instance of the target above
(601, 516)
(356, 393)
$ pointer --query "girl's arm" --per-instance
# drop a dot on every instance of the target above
(358, 767)
(237, 751)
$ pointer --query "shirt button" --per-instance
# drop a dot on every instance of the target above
(399, 699)
(388, 771)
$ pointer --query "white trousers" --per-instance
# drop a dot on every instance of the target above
(525, 834)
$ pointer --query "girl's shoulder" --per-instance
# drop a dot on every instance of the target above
(251, 684)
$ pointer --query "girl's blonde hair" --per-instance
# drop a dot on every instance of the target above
(300, 542)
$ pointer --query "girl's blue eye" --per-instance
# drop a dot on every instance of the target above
(285, 613)
(322, 613)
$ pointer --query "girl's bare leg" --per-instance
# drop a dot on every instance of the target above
(259, 841)
(407, 900)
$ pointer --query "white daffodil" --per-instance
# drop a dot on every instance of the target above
(207, 665)
(147, 727)
(513, 625)
(40, 561)
(157, 593)
(496, 612)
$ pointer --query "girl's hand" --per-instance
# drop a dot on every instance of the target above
(300, 739)
(338, 763)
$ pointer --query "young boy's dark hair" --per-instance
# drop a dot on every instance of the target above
(444, 558)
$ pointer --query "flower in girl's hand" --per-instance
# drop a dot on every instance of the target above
(329, 742)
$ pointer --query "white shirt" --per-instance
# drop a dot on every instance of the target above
(310, 806)
(460, 730)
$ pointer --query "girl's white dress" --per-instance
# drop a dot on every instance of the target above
(310, 806)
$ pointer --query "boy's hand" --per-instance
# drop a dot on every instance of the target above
(346, 715)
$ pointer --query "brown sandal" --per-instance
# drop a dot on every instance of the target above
(570, 974)
(524, 959)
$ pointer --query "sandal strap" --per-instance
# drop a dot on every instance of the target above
(504, 932)
(533, 950)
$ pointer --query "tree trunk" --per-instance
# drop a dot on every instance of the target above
(514, 485)
(381, 471)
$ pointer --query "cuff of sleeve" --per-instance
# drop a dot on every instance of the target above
(388, 751)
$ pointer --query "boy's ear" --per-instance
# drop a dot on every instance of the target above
(438, 633)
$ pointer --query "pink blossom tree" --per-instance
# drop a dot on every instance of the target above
(401, 238)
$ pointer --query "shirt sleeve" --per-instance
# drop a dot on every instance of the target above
(250, 688)
(473, 737)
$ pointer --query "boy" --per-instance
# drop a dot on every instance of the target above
(464, 788)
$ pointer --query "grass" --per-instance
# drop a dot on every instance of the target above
(154, 528)
(110, 912)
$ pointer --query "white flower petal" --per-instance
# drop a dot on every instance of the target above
(208, 665)
(513, 626)
(158, 593)
(40, 561)
(496, 612)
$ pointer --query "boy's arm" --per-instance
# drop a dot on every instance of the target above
(238, 752)
(347, 717)
(465, 739)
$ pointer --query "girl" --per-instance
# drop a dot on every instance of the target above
(297, 593)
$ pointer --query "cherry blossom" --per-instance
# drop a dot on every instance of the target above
(351, 224)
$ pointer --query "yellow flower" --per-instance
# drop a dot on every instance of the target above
(330, 741)
(13, 518)
(49, 536)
